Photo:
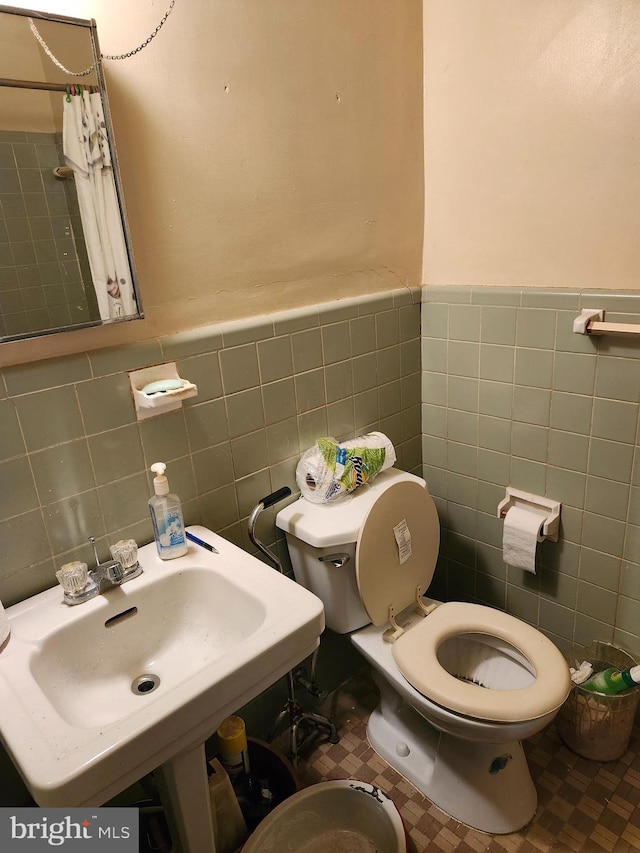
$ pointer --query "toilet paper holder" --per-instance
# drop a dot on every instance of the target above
(550, 525)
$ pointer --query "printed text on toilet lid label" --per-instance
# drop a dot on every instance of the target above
(403, 538)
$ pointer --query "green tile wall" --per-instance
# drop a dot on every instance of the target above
(74, 460)
(43, 257)
(511, 396)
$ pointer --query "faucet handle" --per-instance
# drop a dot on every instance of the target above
(125, 551)
(73, 577)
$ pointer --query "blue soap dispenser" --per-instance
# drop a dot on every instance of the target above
(165, 510)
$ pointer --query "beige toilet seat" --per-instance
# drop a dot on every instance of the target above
(416, 654)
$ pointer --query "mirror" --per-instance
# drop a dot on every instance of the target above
(65, 251)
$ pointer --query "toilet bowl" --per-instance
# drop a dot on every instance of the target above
(460, 684)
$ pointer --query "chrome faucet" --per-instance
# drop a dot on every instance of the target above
(107, 574)
(80, 584)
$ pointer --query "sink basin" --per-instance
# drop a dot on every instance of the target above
(96, 695)
(172, 629)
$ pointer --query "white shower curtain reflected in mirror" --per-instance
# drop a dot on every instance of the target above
(86, 151)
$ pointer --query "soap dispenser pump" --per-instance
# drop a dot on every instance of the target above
(165, 510)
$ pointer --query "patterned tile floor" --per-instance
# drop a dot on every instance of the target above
(583, 805)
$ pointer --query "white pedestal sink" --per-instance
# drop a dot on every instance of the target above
(96, 695)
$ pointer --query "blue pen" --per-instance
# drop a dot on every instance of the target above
(201, 543)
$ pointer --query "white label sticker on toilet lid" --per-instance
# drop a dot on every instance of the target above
(403, 538)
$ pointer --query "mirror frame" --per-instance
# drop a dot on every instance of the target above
(92, 32)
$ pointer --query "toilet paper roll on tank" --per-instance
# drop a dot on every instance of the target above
(330, 469)
(528, 519)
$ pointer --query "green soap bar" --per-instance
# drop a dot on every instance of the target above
(163, 385)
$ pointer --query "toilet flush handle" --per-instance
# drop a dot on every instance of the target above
(338, 560)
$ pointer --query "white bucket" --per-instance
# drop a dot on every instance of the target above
(342, 816)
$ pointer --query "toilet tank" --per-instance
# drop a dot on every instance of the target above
(322, 539)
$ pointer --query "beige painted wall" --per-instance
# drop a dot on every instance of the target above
(22, 109)
(532, 143)
(271, 153)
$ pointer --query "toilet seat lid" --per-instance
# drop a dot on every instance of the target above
(416, 654)
(397, 549)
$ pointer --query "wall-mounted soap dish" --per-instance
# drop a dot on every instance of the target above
(159, 389)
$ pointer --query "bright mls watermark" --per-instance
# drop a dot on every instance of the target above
(104, 830)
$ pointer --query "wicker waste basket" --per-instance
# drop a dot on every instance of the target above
(596, 725)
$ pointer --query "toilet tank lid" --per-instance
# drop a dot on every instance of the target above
(337, 523)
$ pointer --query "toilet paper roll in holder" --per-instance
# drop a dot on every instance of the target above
(550, 523)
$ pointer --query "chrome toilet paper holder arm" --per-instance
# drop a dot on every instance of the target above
(550, 525)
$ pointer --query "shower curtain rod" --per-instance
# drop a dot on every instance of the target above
(31, 84)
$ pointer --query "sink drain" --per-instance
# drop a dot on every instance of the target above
(144, 684)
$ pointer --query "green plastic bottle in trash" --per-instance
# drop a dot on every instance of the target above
(612, 680)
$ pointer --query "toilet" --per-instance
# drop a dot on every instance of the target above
(461, 685)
